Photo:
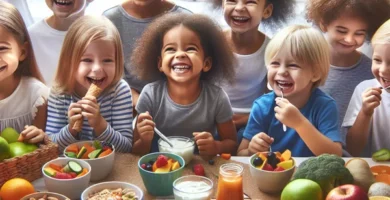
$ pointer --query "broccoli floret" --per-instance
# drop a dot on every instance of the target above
(327, 170)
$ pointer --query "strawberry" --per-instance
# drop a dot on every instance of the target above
(198, 170)
(278, 169)
(268, 167)
(161, 161)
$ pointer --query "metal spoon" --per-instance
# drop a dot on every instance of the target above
(281, 90)
(388, 87)
(162, 136)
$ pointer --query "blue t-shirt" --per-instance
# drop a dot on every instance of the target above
(320, 110)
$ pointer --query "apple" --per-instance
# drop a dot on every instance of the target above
(10, 134)
(302, 189)
(347, 192)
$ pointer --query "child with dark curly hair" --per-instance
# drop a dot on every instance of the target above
(248, 44)
(191, 54)
(347, 24)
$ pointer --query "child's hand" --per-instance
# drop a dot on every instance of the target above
(32, 134)
(260, 142)
(206, 143)
(145, 126)
(371, 99)
(91, 110)
(74, 114)
(287, 113)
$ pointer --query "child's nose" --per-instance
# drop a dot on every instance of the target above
(282, 70)
(240, 6)
(97, 67)
(180, 54)
(349, 38)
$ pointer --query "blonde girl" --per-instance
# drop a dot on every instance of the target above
(92, 53)
(22, 94)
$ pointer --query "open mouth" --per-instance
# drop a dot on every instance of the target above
(180, 69)
(63, 2)
(386, 82)
(285, 85)
(240, 20)
(96, 81)
(2, 68)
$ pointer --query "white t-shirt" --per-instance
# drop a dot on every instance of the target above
(47, 44)
(19, 109)
(379, 136)
(251, 80)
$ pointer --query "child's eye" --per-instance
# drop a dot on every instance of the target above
(3, 48)
(293, 65)
(108, 60)
(341, 31)
(360, 34)
(275, 63)
(169, 49)
(377, 60)
(251, 2)
(230, 1)
(86, 60)
(191, 49)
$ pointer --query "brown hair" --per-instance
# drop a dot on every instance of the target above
(372, 12)
(145, 55)
(81, 33)
(12, 21)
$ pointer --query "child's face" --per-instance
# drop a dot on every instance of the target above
(11, 53)
(345, 34)
(97, 65)
(245, 15)
(381, 64)
(182, 57)
(65, 8)
(295, 78)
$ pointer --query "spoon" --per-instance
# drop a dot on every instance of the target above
(281, 90)
(388, 87)
(162, 136)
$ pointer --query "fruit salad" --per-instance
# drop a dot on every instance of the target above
(123, 194)
(88, 151)
(70, 171)
(162, 164)
(273, 161)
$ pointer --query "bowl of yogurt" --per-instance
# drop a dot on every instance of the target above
(193, 188)
(182, 146)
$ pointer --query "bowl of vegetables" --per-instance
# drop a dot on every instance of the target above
(100, 155)
(67, 176)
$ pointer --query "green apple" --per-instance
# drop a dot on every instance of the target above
(4, 149)
(10, 134)
(20, 148)
(302, 189)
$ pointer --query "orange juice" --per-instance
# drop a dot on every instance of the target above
(230, 182)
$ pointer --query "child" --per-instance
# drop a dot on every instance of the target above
(48, 34)
(248, 44)
(297, 59)
(22, 93)
(367, 116)
(92, 53)
(191, 54)
(347, 24)
(131, 18)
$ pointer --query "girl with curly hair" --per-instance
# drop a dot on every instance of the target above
(347, 24)
(248, 44)
(191, 54)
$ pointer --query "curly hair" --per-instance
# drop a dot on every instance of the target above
(373, 12)
(147, 51)
(282, 11)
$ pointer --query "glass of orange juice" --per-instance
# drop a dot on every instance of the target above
(230, 182)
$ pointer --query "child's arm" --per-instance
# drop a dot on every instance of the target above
(259, 143)
(240, 120)
(143, 134)
(317, 142)
(357, 135)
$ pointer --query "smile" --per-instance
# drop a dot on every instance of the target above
(284, 84)
(3, 68)
(95, 80)
(63, 2)
(386, 82)
(181, 68)
(240, 19)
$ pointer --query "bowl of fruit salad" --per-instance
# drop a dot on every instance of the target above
(100, 155)
(272, 170)
(113, 190)
(67, 176)
(159, 171)
(45, 196)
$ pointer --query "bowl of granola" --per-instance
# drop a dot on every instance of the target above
(45, 196)
(112, 190)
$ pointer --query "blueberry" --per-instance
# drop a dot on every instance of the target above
(149, 167)
(211, 162)
(151, 162)
(257, 161)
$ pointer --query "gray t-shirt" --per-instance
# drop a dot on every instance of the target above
(130, 30)
(211, 108)
(341, 83)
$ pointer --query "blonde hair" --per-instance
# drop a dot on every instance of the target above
(382, 35)
(307, 45)
(12, 21)
(81, 33)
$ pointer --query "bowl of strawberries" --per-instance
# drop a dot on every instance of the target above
(272, 170)
(159, 171)
(100, 155)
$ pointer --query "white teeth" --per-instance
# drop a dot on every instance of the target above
(385, 80)
(181, 67)
(240, 18)
(63, 2)
(96, 79)
(282, 82)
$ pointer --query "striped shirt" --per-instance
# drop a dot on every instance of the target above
(116, 107)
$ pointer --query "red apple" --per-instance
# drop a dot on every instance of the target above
(347, 192)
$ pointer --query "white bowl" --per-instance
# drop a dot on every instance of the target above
(182, 146)
(38, 195)
(270, 181)
(101, 167)
(72, 188)
(111, 185)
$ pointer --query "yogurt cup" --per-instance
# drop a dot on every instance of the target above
(182, 146)
(192, 188)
